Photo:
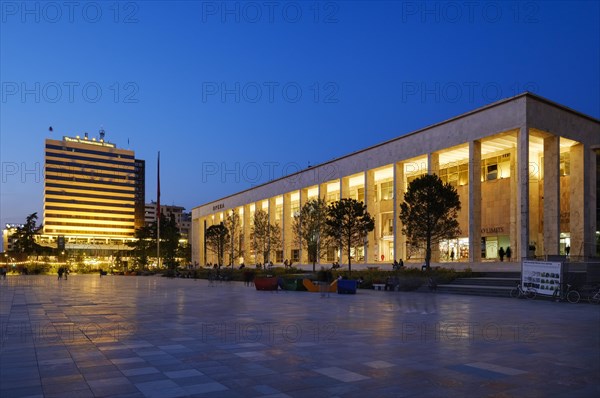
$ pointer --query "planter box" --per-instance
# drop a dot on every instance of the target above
(266, 283)
(295, 284)
(346, 286)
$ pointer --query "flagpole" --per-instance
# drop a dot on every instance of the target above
(158, 212)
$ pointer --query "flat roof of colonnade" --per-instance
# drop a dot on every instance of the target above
(523, 110)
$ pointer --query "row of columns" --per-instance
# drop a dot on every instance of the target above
(520, 233)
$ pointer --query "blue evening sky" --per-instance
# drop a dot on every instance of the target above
(236, 93)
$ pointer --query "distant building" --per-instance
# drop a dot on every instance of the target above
(8, 239)
(140, 193)
(93, 194)
(182, 219)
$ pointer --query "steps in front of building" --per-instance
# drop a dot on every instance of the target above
(494, 284)
(486, 281)
(476, 290)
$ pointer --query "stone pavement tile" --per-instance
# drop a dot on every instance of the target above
(341, 374)
(92, 363)
(111, 386)
(52, 354)
(161, 389)
(263, 371)
(112, 381)
(109, 374)
(74, 382)
(140, 371)
(146, 378)
(254, 356)
(204, 388)
(119, 354)
(161, 360)
(88, 355)
(175, 367)
(22, 391)
(234, 382)
(58, 370)
(148, 351)
(19, 373)
(311, 392)
(186, 381)
(178, 374)
(379, 373)
(137, 345)
(99, 368)
(496, 368)
(58, 361)
(23, 382)
(82, 393)
(379, 364)
(212, 370)
(171, 348)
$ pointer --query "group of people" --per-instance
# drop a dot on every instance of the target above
(63, 271)
(502, 253)
(266, 265)
(397, 265)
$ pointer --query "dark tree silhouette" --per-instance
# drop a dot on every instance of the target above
(429, 212)
(235, 243)
(309, 229)
(169, 240)
(144, 245)
(216, 239)
(25, 237)
(266, 237)
(348, 224)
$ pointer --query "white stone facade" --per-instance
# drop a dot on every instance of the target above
(524, 167)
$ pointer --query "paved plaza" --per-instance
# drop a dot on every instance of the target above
(131, 336)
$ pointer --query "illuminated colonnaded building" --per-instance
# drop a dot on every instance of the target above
(526, 170)
(93, 195)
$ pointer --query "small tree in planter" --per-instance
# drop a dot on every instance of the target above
(348, 224)
(216, 239)
(309, 229)
(429, 212)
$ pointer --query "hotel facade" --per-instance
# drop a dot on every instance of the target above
(526, 170)
(93, 195)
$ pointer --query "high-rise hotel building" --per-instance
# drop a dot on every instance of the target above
(93, 194)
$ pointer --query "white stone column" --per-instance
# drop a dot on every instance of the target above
(399, 237)
(583, 201)
(272, 220)
(287, 222)
(522, 193)
(474, 203)
(247, 236)
(303, 256)
(551, 195)
(370, 201)
(433, 163)
(433, 167)
(344, 187)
